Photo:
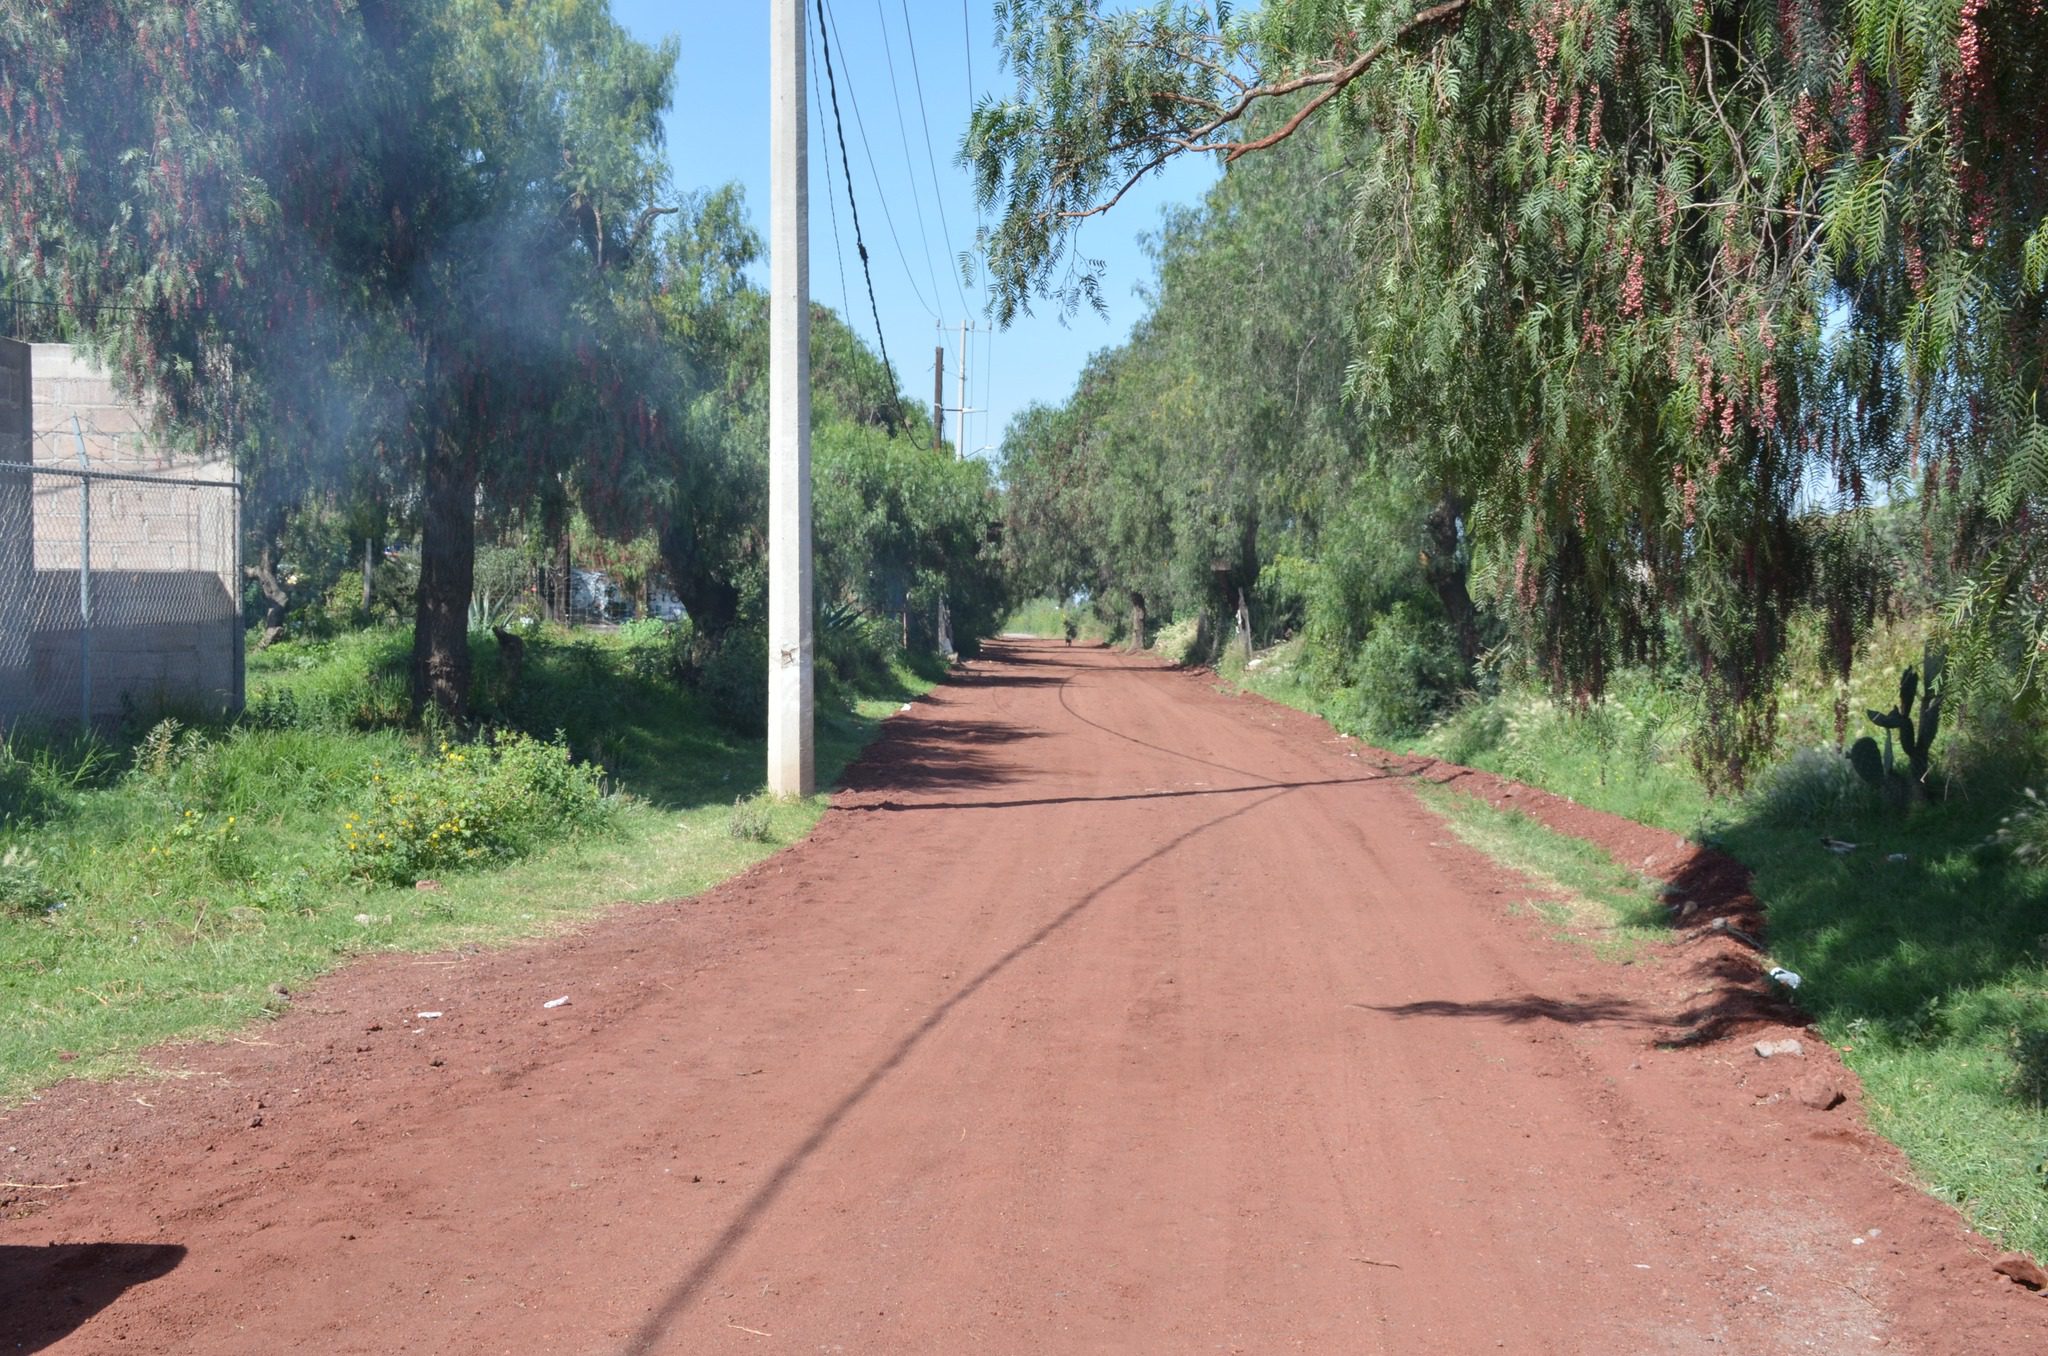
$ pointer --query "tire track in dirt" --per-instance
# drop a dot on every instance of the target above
(1103, 1013)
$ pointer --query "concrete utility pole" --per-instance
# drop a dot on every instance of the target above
(939, 391)
(960, 447)
(792, 764)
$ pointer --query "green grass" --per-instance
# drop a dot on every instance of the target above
(1585, 895)
(1045, 617)
(1626, 756)
(1929, 973)
(111, 947)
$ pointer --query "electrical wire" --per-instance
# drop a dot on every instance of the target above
(867, 148)
(903, 135)
(967, 40)
(967, 45)
(853, 207)
(931, 159)
(832, 205)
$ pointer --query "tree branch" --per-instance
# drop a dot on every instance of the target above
(1332, 81)
(639, 235)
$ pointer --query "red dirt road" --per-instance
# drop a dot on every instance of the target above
(1103, 1013)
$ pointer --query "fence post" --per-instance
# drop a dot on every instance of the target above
(84, 581)
(237, 630)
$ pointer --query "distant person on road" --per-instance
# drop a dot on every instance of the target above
(1067, 625)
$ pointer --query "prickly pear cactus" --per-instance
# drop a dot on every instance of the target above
(1915, 736)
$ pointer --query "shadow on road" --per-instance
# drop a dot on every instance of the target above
(1735, 1008)
(656, 1325)
(897, 807)
(937, 754)
(1528, 1007)
(49, 1292)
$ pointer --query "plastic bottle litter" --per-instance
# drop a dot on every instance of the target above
(557, 1002)
(1785, 977)
(429, 1016)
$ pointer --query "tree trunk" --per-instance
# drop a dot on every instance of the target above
(264, 572)
(440, 640)
(1444, 567)
(1137, 620)
(1244, 627)
(556, 585)
(564, 571)
(713, 603)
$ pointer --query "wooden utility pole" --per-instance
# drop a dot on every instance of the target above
(792, 765)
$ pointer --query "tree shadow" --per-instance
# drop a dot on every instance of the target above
(655, 1326)
(1731, 1010)
(936, 754)
(1521, 1010)
(1026, 803)
(51, 1291)
(1003, 679)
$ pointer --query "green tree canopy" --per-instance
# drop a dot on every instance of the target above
(1649, 287)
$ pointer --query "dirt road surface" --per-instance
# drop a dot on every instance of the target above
(1103, 1013)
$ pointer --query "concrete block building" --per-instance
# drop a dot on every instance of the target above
(119, 580)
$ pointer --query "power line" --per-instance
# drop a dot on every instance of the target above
(924, 118)
(867, 148)
(967, 39)
(832, 208)
(892, 395)
(967, 44)
(852, 206)
(903, 135)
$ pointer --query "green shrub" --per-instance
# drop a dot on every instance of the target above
(493, 801)
(1812, 789)
(734, 680)
(1474, 728)
(23, 892)
(23, 797)
(656, 650)
(853, 649)
(2025, 830)
(197, 845)
(1177, 640)
(1407, 669)
(2030, 1060)
(752, 819)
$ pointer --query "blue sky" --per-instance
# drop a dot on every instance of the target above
(718, 132)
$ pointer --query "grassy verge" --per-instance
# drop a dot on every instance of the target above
(1626, 756)
(1585, 895)
(167, 887)
(1931, 974)
(1924, 951)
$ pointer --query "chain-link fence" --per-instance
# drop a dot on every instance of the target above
(118, 573)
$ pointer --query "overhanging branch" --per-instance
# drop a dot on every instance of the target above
(1331, 82)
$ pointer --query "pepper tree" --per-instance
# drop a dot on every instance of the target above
(1665, 290)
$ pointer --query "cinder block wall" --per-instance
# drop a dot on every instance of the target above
(166, 625)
